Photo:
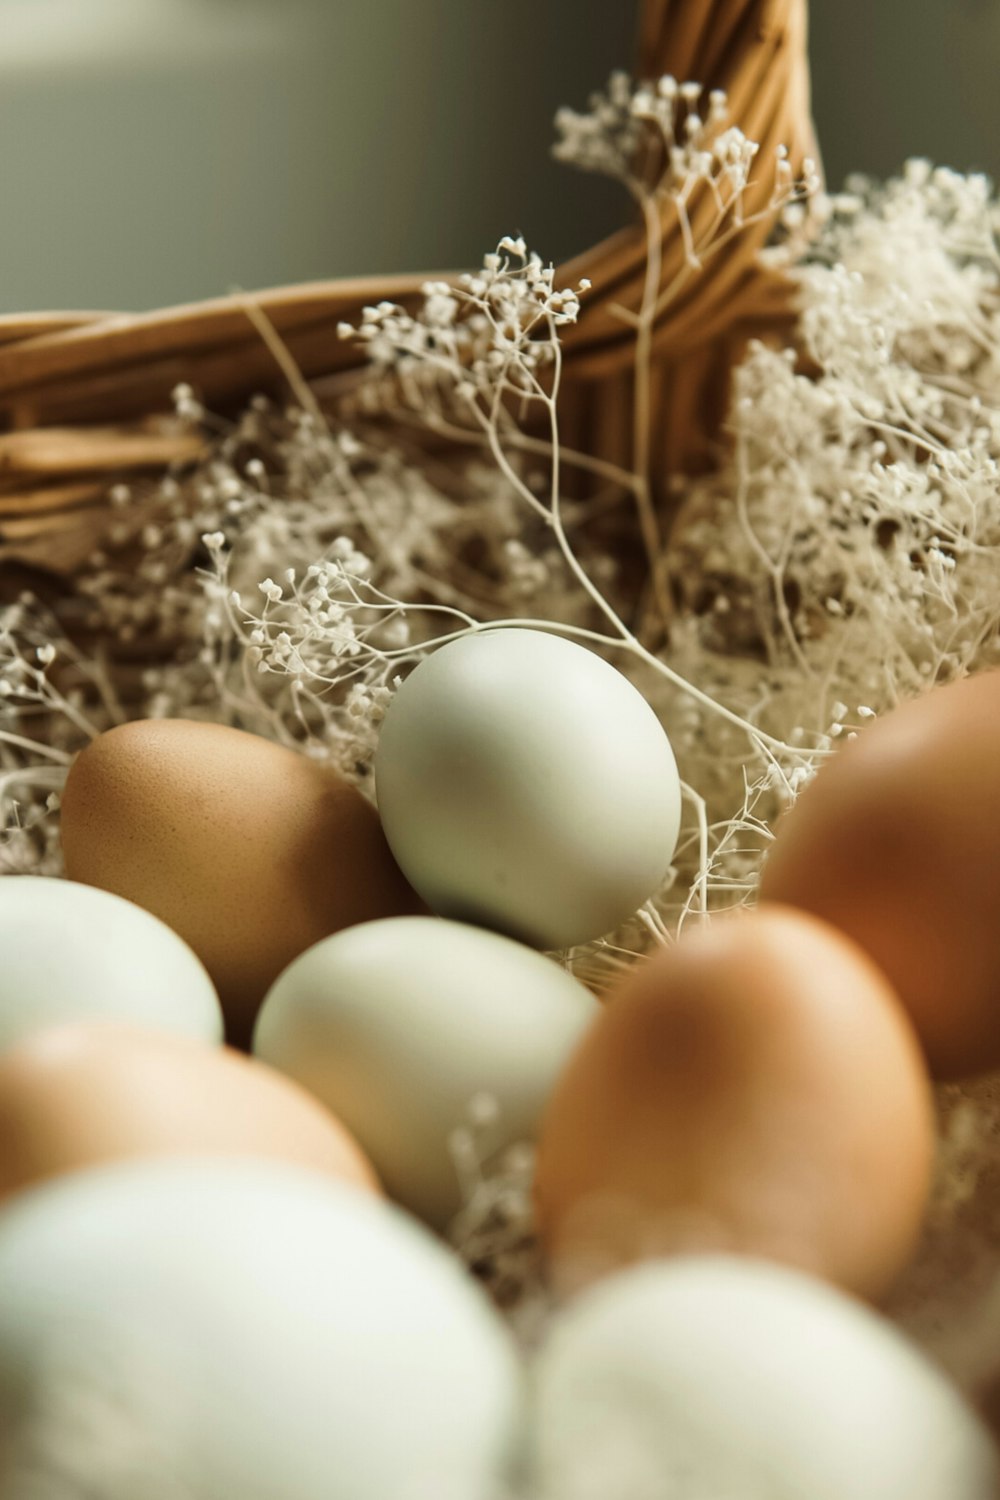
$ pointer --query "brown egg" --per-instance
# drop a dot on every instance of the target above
(755, 1089)
(78, 1095)
(897, 843)
(250, 851)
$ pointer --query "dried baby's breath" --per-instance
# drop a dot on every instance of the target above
(845, 556)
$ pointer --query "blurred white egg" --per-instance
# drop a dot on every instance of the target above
(525, 784)
(221, 1330)
(707, 1378)
(74, 953)
(398, 1025)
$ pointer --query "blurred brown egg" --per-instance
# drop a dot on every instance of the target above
(250, 851)
(78, 1095)
(897, 843)
(755, 1089)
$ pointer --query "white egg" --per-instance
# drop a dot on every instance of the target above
(703, 1378)
(525, 784)
(398, 1025)
(74, 953)
(238, 1331)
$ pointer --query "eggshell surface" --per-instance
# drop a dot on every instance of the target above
(397, 1026)
(250, 851)
(71, 953)
(706, 1378)
(76, 1096)
(755, 1088)
(525, 785)
(222, 1330)
(896, 842)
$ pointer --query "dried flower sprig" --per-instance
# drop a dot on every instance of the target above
(484, 369)
(53, 699)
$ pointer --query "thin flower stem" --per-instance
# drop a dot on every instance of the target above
(709, 248)
(642, 423)
(701, 884)
(48, 752)
(50, 776)
(775, 571)
(514, 438)
(654, 924)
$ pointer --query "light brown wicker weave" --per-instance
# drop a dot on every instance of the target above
(83, 396)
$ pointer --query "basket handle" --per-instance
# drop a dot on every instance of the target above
(756, 51)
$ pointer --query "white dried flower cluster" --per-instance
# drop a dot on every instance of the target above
(42, 721)
(486, 333)
(854, 542)
(329, 639)
(663, 138)
(642, 133)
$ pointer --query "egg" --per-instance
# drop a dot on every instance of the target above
(78, 1095)
(250, 851)
(524, 784)
(70, 953)
(756, 1088)
(716, 1377)
(400, 1026)
(896, 842)
(214, 1330)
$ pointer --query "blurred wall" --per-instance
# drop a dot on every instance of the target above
(899, 78)
(160, 150)
(154, 151)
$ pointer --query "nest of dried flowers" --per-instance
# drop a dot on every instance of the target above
(263, 510)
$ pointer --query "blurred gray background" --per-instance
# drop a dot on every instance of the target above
(156, 151)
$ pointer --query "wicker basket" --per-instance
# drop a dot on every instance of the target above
(84, 397)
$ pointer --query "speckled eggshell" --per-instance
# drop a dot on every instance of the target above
(242, 1331)
(250, 851)
(755, 1088)
(398, 1025)
(897, 842)
(722, 1377)
(71, 953)
(524, 784)
(76, 1096)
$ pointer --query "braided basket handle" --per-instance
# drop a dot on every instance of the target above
(755, 50)
(82, 395)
